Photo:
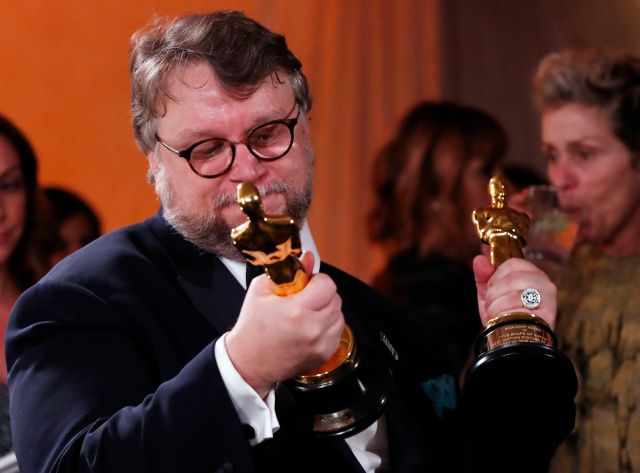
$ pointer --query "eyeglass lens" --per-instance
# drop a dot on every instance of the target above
(269, 141)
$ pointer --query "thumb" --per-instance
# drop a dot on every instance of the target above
(307, 261)
(482, 271)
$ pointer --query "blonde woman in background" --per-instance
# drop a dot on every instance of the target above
(589, 103)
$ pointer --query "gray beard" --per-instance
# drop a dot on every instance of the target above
(208, 230)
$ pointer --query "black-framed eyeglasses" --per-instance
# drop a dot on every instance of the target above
(214, 156)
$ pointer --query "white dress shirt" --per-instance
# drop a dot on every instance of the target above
(369, 446)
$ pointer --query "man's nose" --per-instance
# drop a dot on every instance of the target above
(246, 167)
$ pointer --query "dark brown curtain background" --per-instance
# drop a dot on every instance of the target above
(491, 49)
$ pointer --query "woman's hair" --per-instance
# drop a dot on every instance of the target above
(414, 208)
(608, 80)
(520, 176)
(20, 267)
(240, 51)
(65, 204)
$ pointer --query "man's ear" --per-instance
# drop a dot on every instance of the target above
(154, 167)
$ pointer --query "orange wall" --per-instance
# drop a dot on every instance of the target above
(65, 82)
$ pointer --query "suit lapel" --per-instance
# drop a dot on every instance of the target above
(406, 442)
(206, 282)
(341, 446)
(214, 292)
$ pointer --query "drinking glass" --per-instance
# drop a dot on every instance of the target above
(552, 231)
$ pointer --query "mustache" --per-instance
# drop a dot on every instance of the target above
(224, 200)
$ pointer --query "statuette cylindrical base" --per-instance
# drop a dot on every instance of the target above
(344, 401)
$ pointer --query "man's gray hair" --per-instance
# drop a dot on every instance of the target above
(241, 52)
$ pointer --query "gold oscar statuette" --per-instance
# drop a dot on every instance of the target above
(345, 394)
(505, 231)
(518, 377)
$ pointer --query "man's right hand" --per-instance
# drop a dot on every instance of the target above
(277, 338)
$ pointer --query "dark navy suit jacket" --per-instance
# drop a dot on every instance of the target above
(112, 367)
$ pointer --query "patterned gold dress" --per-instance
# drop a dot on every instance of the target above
(599, 329)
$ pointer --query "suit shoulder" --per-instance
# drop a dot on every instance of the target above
(123, 254)
(348, 283)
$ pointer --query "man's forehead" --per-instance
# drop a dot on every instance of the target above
(198, 83)
(201, 76)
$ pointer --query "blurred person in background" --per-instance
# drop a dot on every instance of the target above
(18, 190)
(75, 222)
(520, 177)
(427, 180)
(589, 101)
